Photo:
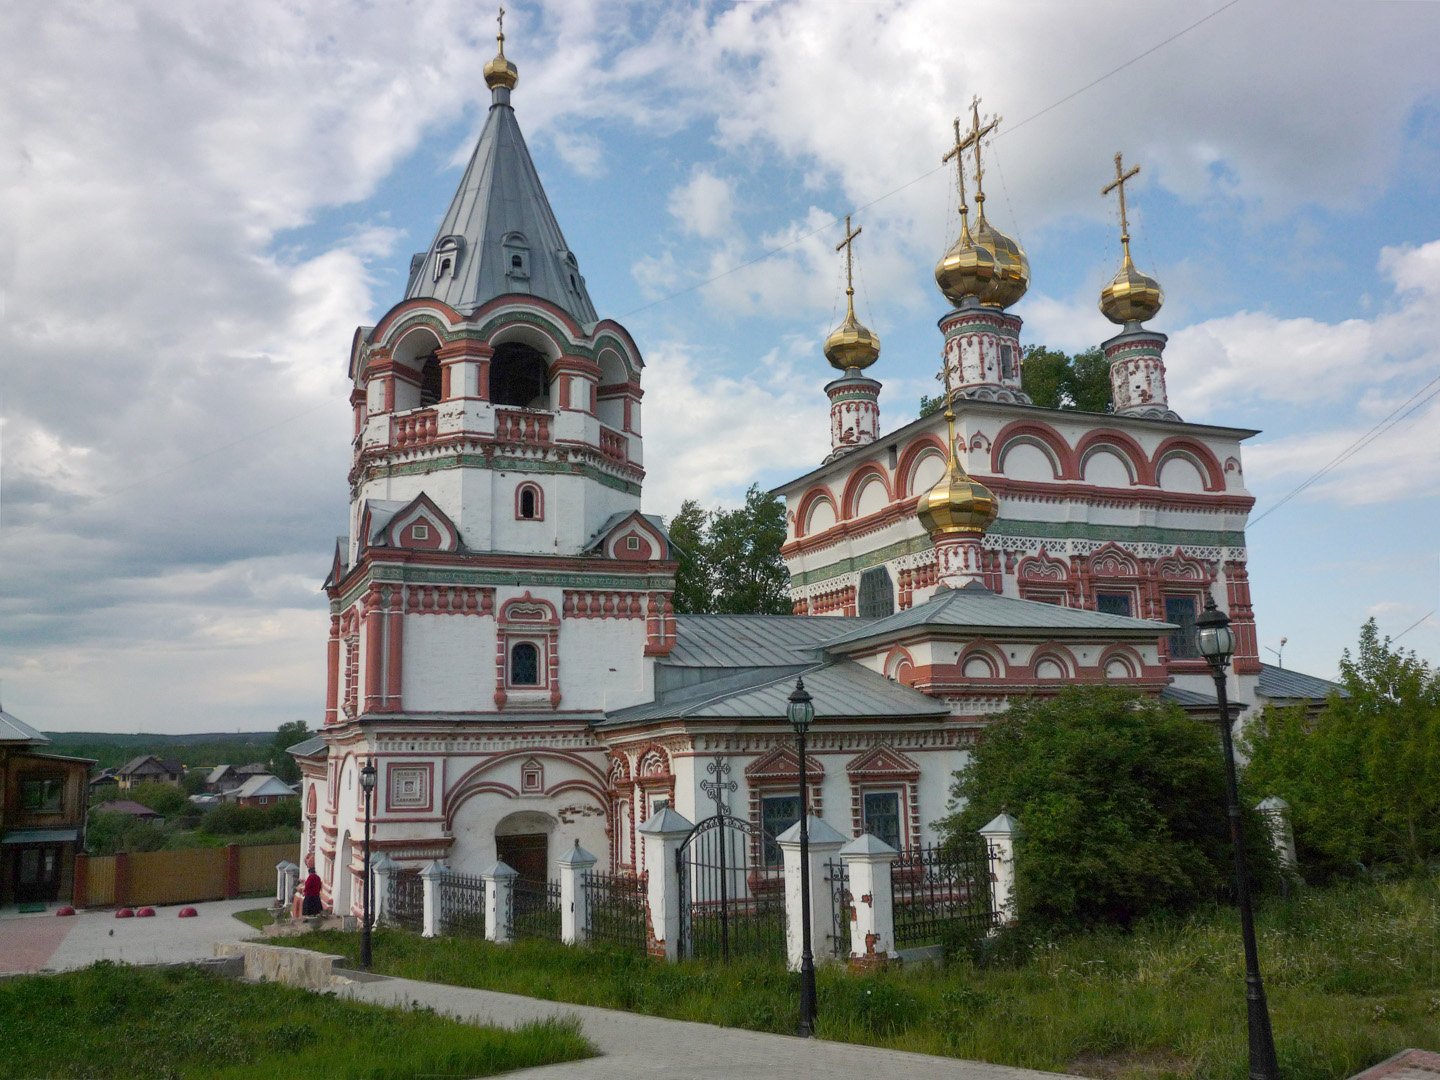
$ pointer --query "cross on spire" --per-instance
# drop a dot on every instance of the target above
(500, 36)
(973, 140)
(1118, 184)
(847, 245)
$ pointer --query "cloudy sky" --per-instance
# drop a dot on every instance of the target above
(200, 202)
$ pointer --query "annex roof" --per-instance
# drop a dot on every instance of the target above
(734, 641)
(842, 689)
(975, 608)
(311, 747)
(14, 731)
(499, 214)
(1282, 684)
(126, 806)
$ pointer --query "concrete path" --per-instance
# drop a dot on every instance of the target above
(50, 942)
(646, 1046)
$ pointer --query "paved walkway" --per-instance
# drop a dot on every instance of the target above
(649, 1047)
(631, 1046)
(50, 942)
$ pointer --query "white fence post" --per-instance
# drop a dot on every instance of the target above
(663, 833)
(431, 878)
(824, 842)
(1276, 813)
(381, 867)
(285, 876)
(867, 861)
(499, 902)
(574, 900)
(1000, 834)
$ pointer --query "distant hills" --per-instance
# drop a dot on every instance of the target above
(192, 748)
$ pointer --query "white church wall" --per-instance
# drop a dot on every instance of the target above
(1180, 474)
(1105, 469)
(564, 818)
(872, 498)
(449, 663)
(602, 663)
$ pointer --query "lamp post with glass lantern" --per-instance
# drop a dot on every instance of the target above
(367, 782)
(1217, 644)
(801, 711)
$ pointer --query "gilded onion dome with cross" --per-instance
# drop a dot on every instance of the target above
(959, 505)
(985, 264)
(851, 346)
(1131, 297)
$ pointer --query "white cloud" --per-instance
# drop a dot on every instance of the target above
(704, 205)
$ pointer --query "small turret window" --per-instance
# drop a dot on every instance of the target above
(528, 504)
(517, 256)
(447, 257)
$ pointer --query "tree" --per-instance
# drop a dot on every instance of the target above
(167, 800)
(281, 763)
(729, 560)
(1360, 775)
(1122, 802)
(1056, 380)
(107, 832)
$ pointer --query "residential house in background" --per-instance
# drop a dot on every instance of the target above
(223, 778)
(129, 808)
(149, 769)
(261, 791)
(42, 814)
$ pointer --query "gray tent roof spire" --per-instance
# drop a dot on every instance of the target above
(499, 235)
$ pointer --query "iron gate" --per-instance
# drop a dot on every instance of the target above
(731, 901)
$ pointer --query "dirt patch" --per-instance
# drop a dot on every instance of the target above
(1132, 1065)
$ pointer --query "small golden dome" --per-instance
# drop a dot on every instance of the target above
(852, 344)
(501, 72)
(1131, 296)
(957, 505)
(1012, 268)
(967, 269)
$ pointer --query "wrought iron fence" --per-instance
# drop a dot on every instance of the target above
(731, 903)
(942, 895)
(837, 876)
(462, 904)
(535, 910)
(405, 903)
(617, 907)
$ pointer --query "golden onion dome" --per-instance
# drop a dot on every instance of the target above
(1131, 296)
(957, 505)
(1012, 267)
(852, 344)
(500, 72)
(967, 269)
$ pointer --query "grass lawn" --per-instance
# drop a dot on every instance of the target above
(110, 1021)
(259, 918)
(1352, 973)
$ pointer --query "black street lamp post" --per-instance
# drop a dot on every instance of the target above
(367, 781)
(801, 712)
(1217, 645)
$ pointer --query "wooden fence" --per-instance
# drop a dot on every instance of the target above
(184, 876)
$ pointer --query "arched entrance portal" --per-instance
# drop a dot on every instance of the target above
(522, 842)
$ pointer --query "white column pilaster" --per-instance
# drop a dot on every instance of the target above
(824, 843)
(872, 928)
(662, 836)
(574, 900)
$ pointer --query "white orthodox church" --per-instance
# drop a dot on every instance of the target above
(502, 640)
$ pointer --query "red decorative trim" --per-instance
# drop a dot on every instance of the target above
(1213, 473)
(449, 600)
(904, 485)
(1033, 432)
(539, 501)
(856, 482)
(588, 604)
(807, 505)
(1121, 444)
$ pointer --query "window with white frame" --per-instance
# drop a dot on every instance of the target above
(880, 816)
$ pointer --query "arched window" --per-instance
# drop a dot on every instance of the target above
(528, 506)
(524, 664)
(517, 376)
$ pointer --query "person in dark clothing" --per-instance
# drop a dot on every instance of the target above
(311, 905)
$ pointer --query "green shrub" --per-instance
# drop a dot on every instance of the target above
(107, 833)
(1360, 776)
(1122, 803)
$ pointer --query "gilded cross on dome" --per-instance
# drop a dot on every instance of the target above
(500, 36)
(965, 142)
(845, 246)
(1118, 184)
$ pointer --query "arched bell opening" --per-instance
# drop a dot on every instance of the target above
(518, 377)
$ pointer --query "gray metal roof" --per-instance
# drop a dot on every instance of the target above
(14, 730)
(842, 689)
(311, 747)
(736, 641)
(1189, 699)
(977, 608)
(1282, 684)
(499, 212)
